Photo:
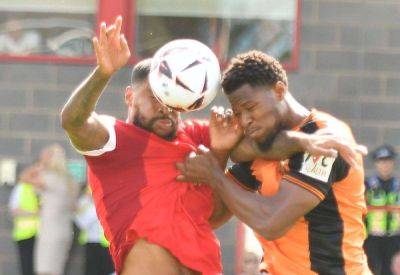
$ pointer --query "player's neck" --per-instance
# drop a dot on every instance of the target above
(295, 113)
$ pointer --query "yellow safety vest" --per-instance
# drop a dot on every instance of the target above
(26, 227)
(83, 239)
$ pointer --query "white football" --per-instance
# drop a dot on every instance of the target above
(185, 75)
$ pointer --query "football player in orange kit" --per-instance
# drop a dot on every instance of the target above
(308, 210)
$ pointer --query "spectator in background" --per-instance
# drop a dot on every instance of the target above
(24, 208)
(58, 198)
(15, 40)
(382, 220)
(97, 257)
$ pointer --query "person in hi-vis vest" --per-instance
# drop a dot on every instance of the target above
(97, 257)
(24, 208)
(383, 217)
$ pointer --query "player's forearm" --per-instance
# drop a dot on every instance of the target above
(222, 218)
(83, 100)
(284, 145)
(250, 207)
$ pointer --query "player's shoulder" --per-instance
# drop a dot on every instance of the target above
(323, 121)
(322, 169)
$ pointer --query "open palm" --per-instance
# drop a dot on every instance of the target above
(111, 48)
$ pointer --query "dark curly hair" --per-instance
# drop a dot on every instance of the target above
(254, 68)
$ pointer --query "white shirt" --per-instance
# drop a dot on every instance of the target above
(86, 219)
(13, 202)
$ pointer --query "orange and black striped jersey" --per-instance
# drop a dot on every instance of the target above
(329, 239)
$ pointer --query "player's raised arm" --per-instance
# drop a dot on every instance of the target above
(287, 143)
(77, 116)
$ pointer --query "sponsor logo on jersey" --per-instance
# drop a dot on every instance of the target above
(317, 167)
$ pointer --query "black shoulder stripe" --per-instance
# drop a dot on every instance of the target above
(243, 174)
(342, 169)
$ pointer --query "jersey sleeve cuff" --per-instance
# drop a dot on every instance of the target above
(242, 174)
(235, 180)
(305, 185)
(109, 123)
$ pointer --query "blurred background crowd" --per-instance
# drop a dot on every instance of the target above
(51, 211)
(342, 56)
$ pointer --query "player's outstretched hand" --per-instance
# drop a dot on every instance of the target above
(330, 145)
(199, 168)
(111, 48)
(225, 131)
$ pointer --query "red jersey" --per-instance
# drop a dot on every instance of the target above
(136, 196)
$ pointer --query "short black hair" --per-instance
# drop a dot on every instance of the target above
(254, 68)
(141, 71)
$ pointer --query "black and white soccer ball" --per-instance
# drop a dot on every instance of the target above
(185, 75)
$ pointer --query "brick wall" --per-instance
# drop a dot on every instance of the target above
(349, 66)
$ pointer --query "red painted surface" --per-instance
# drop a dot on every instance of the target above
(110, 9)
(294, 62)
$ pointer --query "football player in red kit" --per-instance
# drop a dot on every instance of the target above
(154, 224)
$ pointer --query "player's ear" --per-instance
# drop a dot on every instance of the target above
(129, 95)
(280, 90)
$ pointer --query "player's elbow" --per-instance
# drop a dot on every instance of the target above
(70, 121)
(220, 217)
(215, 224)
(270, 234)
(66, 120)
(270, 231)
